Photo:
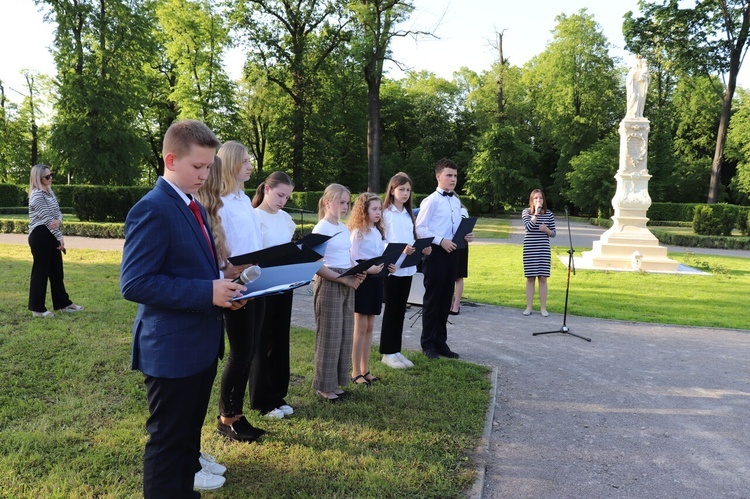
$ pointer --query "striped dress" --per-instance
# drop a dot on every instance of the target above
(537, 256)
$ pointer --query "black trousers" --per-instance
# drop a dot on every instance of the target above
(177, 409)
(396, 292)
(269, 372)
(48, 265)
(243, 331)
(439, 269)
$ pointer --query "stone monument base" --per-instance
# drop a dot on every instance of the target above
(628, 246)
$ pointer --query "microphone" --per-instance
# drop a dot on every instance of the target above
(248, 275)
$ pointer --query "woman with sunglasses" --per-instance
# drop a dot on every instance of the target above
(47, 246)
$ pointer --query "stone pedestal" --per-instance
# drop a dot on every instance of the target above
(628, 244)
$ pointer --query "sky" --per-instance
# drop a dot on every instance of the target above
(465, 30)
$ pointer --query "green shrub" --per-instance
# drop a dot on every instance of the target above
(12, 195)
(714, 219)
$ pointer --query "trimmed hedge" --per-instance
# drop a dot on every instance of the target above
(679, 212)
(105, 204)
(12, 195)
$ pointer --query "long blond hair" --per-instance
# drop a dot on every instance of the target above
(232, 153)
(209, 196)
(331, 194)
(359, 219)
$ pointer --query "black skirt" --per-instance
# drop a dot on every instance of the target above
(463, 262)
(368, 299)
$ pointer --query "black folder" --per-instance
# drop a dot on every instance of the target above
(465, 227)
(416, 257)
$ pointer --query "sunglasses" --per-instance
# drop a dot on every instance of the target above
(47, 177)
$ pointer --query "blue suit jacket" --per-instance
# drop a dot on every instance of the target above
(168, 269)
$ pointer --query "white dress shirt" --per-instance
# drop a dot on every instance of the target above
(439, 216)
(399, 228)
(241, 224)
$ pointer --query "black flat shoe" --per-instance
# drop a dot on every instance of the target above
(431, 354)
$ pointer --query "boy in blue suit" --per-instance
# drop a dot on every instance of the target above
(169, 268)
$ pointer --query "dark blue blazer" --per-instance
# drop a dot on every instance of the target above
(168, 269)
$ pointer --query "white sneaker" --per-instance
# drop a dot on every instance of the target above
(46, 314)
(275, 414)
(287, 410)
(392, 360)
(207, 481)
(406, 362)
(209, 464)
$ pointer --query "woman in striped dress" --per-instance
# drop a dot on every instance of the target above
(537, 257)
(47, 246)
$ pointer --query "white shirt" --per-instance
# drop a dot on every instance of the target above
(439, 216)
(337, 249)
(399, 228)
(367, 244)
(276, 228)
(241, 224)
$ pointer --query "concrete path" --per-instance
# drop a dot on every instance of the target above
(641, 411)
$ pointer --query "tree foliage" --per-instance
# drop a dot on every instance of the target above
(707, 39)
(575, 91)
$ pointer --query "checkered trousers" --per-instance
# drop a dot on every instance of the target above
(334, 316)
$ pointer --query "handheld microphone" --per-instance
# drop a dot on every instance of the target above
(248, 275)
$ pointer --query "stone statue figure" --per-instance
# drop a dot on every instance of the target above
(637, 86)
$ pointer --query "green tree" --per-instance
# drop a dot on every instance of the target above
(99, 50)
(291, 41)
(376, 21)
(708, 38)
(576, 92)
(738, 146)
(22, 137)
(195, 39)
(591, 177)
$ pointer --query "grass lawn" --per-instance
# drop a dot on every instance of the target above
(72, 413)
(492, 228)
(496, 277)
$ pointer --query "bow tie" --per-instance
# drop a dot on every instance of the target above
(447, 193)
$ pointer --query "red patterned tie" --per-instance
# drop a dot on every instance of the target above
(197, 212)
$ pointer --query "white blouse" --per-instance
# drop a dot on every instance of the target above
(399, 228)
(367, 244)
(276, 228)
(241, 224)
(337, 249)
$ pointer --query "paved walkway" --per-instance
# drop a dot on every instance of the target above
(641, 411)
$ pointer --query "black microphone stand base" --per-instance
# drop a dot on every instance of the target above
(563, 330)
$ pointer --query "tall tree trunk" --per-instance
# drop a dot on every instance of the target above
(373, 134)
(735, 61)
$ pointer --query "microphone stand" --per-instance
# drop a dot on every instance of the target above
(565, 329)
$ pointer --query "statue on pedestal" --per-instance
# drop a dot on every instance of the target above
(637, 86)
